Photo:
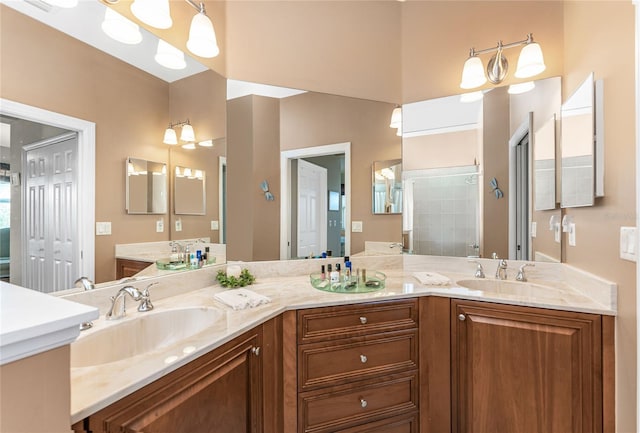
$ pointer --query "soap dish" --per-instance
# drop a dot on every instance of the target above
(375, 281)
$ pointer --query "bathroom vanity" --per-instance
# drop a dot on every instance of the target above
(409, 358)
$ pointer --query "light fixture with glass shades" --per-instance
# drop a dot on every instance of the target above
(169, 56)
(202, 36)
(120, 28)
(396, 120)
(187, 134)
(530, 63)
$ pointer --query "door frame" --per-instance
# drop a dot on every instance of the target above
(285, 191)
(86, 173)
(524, 129)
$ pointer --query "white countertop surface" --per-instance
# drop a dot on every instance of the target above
(32, 322)
(95, 387)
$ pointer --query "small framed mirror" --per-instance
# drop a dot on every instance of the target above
(387, 187)
(146, 187)
(189, 191)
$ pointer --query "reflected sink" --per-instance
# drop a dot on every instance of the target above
(510, 287)
(142, 334)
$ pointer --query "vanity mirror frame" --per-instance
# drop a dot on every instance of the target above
(387, 174)
(157, 186)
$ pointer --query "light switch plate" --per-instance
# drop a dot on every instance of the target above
(178, 225)
(103, 228)
(215, 225)
(534, 229)
(356, 226)
(628, 241)
(572, 234)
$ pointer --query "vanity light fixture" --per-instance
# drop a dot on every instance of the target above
(121, 29)
(186, 133)
(202, 36)
(206, 143)
(530, 63)
(169, 56)
(189, 146)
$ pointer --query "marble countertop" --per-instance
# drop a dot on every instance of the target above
(95, 387)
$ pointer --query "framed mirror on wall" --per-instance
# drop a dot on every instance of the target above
(146, 186)
(387, 187)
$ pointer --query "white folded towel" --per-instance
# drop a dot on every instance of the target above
(239, 299)
(432, 278)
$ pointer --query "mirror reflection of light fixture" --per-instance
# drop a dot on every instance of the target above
(121, 29)
(189, 146)
(202, 36)
(206, 143)
(517, 89)
(169, 56)
(530, 63)
(396, 118)
(186, 134)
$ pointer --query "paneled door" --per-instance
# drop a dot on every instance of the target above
(312, 209)
(50, 206)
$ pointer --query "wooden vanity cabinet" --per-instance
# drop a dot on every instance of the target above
(218, 392)
(128, 268)
(529, 370)
(357, 368)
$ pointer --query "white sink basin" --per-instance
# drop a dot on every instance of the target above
(510, 287)
(145, 333)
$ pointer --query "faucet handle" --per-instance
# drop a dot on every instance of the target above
(521, 275)
(479, 271)
(145, 301)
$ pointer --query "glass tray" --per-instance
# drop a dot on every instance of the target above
(375, 280)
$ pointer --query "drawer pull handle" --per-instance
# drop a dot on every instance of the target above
(363, 403)
(461, 317)
(363, 358)
(363, 320)
(256, 350)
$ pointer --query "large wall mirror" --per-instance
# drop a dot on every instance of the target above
(471, 174)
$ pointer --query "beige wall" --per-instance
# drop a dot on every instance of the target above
(599, 38)
(347, 48)
(316, 119)
(35, 394)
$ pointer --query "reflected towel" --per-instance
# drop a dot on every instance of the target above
(431, 278)
(239, 299)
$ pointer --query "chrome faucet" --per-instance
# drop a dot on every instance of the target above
(501, 271)
(86, 284)
(521, 275)
(136, 295)
(479, 271)
(396, 244)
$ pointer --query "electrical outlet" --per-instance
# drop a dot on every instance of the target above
(628, 243)
(572, 234)
(159, 226)
(534, 229)
(215, 225)
(178, 225)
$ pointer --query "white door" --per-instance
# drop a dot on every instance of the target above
(50, 172)
(312, 209)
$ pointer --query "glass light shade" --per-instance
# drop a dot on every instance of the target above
(187, 134)
(471, 96)
(198, 174)
(531, 61)
(169, 56)
(178, 174)
(188, 146)
(187, 172)
(120, 28)
(396, 118)
(516, 89)
(153, 12)
(63, 3)
(206, 143)
(399, 131)
(473, 73)
(202, 37)
(170, 136)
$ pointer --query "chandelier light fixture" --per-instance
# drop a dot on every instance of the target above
(202, 37)
(530, 63)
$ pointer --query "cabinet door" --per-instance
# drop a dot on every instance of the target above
(220, 392)
(517, 369)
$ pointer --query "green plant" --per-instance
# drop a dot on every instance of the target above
(244, 279)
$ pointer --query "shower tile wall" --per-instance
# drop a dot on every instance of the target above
(445, 211)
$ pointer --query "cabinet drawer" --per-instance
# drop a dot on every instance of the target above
(403, 424)
(341, 407)
(319, 324)
(322, 364)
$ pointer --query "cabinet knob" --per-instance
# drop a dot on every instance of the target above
(255, 350)
(363, 403)
(363, 358)
(363, 320)
(461, 317)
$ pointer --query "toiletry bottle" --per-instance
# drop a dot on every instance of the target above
(193, 262)
(339, 270)
(199, 258)
(323, 276)
(347, 268)
(333, 275)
